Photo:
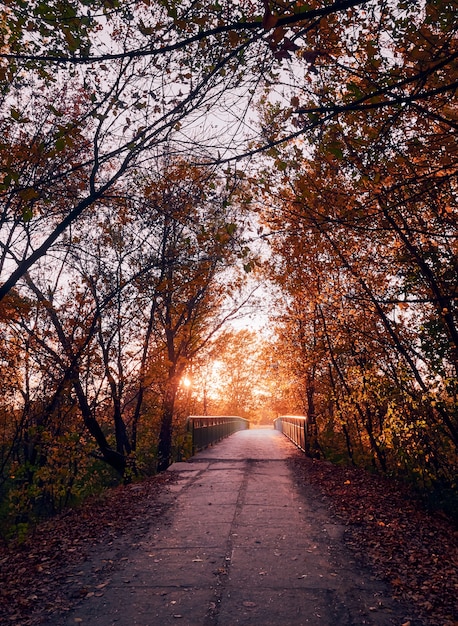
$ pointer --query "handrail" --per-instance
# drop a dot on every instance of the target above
(294, 427)
(208, 429)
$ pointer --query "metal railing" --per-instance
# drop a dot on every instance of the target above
(294, 427)
(208, 429)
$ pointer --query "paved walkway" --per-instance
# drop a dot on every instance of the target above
(243, 545)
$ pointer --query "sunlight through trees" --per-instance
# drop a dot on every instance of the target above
(155, 156)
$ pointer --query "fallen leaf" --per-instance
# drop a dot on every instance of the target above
(102, 585)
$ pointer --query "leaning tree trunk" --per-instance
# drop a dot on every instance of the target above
(109, 455)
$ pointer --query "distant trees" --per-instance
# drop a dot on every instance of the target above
(233, 377)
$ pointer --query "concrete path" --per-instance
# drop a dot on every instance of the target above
(243, 544)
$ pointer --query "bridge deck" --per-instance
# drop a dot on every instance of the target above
(242, 544)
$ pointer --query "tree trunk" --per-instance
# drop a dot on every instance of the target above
(376, 449)
(312, 448)
(112, 457)
(164, 451)
(348, 444)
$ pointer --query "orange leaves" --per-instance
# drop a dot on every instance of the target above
(387, 528)
(269, 20)
(277, 36)
(278, 42)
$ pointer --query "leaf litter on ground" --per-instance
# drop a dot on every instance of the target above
(389, 529)
(51, 570)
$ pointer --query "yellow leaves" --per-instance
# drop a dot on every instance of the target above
(73, 41)
(18, 116)
(335, 149)
(146, 30)
(28, 194)
(15, 114)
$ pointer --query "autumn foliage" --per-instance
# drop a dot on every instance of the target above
(363, 226)
(153, 155)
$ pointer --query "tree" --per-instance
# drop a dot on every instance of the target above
(134, 296)
(383, 223)
(197, 246)
(353, 100)
(240, 384)
(357, 57)
(13, 358)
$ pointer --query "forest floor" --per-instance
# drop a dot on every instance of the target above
(386, 528)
